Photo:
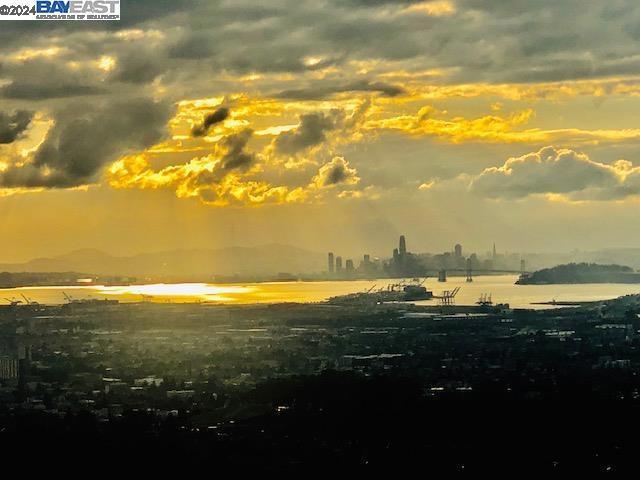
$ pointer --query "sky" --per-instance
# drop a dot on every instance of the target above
(328, 125)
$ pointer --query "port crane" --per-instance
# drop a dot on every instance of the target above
(29, 301)
(485, 300)
(448, 296)
(14, 302)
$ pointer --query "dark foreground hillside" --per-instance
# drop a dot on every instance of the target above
(313, 388)
(344, 423)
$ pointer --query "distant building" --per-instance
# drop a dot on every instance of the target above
(180, 394)
(403, 263)
(349, 265)
(331, 264)
(458, 250)
(403, 246)
(9, 369)
(367, 266)
(338, 264)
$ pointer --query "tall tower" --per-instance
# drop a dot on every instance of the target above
(338, 264)
(330, 262)
(402, 250)
(494, 251)
(458, 250)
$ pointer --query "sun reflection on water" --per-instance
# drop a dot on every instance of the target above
(182, 291)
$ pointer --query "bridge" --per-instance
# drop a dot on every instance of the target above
(469, 272)
(481, 271)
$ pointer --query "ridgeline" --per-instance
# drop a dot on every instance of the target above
(581, 273)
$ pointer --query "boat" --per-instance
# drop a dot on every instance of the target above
(403, 291)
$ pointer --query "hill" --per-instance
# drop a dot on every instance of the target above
(260, 260)
(581, 273)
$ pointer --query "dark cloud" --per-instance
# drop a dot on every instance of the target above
(141, 11)
(528, 41)
(236, 157)
(139, 66)
(134, 13)
(337, 171)
(323, 91)
(192, 46)
(84, 140)
(43, 91)
(372, 3)
(13, 125)
(310, 132)
(42, 78)
(220, 115)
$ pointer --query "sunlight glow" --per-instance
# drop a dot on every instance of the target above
(201, 291)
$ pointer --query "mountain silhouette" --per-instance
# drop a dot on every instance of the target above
(259, 260)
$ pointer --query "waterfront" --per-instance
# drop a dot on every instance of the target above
(501, 287)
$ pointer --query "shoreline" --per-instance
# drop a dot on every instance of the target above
(233, 281)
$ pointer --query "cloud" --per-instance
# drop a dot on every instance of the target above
(494, 128)
(489, 128)
(563, 172)
(336, 172)
(36, 91)
(321, 91)
(299, 57)
(192, 45)
(49, 73)
(82, 141)
(13, 125)
(218, 179)
(311, 131)
(236, 157)
(220, 115)
(541, 40)
(329, 129)
(233, 175)
(139, 66)
(369, 3)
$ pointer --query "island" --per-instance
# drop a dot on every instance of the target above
(581, 273)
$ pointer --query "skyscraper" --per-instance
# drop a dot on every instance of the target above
(403, 246)
(338, 264)
(349, 265)
(458, 250)
(331, 264)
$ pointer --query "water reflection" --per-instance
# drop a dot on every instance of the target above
(501, 287)
(181, 292)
